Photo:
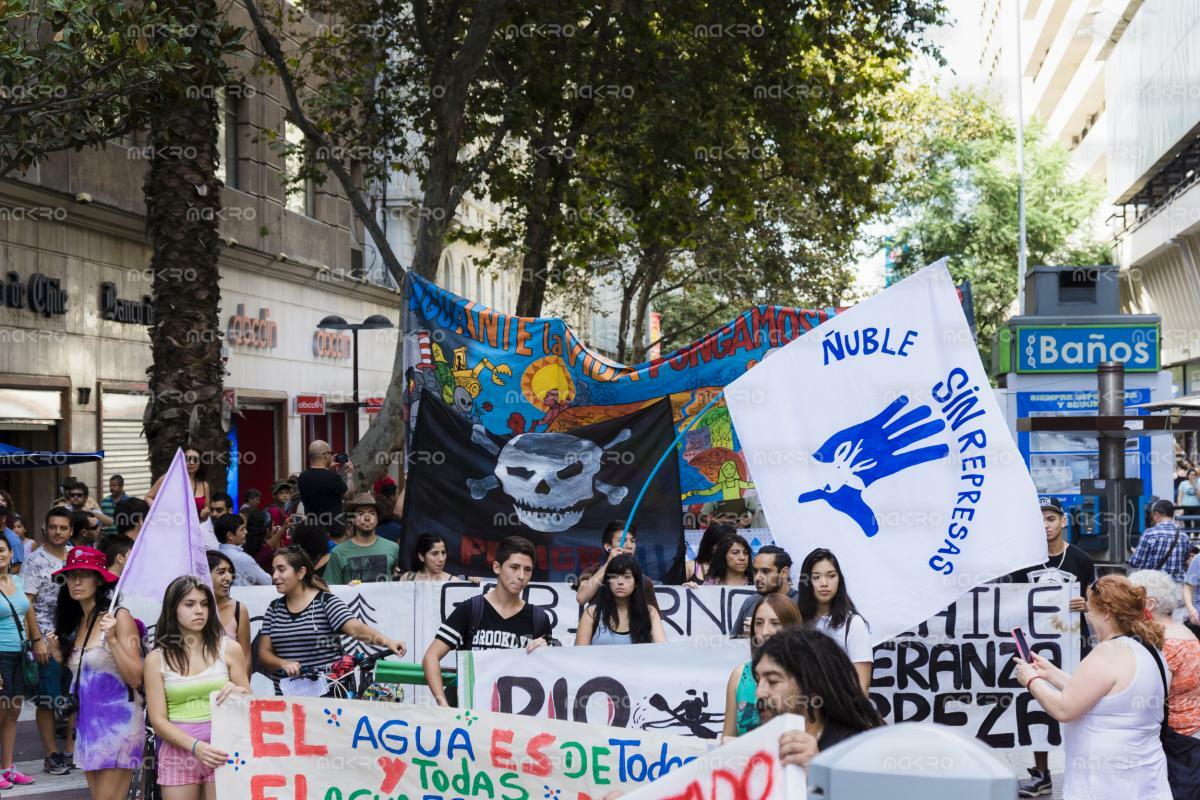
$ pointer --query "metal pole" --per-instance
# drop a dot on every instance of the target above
(1021, 265)
(354, 411)
(1110, 379)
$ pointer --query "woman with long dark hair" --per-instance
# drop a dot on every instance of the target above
(730, 564)
(103, 651)
(697, 570)
(232, 615)
(803, 671)
(302, 630)
(429, 557)
(772, 613)
(825, 604)
(620, 614)
(314, 541)
(195, 470)
(192, 658)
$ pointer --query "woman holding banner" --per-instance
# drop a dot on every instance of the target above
(771, 613)
(825, 604)
(192, 658)
(301, 631)
(1113, 704)
(730, 564)
(621, 613)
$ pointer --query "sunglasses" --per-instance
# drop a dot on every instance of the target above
(192, 460)
(75, 494)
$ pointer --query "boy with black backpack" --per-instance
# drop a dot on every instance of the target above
(498, 620)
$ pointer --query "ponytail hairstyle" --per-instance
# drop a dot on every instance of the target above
(298, 559)
(1126, 603)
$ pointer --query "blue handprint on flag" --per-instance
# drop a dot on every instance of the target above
(854, 458)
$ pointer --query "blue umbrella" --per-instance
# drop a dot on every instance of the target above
(16, 458)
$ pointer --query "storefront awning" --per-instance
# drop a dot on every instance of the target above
(16, 458)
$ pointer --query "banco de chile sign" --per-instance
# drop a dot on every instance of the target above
(1082, 348)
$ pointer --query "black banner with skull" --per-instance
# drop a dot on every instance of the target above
(558, 490)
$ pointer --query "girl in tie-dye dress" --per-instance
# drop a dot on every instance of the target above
(105, 658)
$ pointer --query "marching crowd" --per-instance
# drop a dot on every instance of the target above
(95, 680)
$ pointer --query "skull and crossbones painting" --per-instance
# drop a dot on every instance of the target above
(551, 478)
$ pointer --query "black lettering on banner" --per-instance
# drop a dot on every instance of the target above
(1001, 700)
(909, 671)
(945, 658)
(972, 664)
(944, 716)
(975, 615)
(919, 702)
(532, 688)
(618, 700)
(668, 610)
(693, 602)
(881, 668)
(1030, 713)
(1031, 630)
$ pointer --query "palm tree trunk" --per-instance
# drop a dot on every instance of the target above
(183, 204)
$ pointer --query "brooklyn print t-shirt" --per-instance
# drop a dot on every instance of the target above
(494, 631)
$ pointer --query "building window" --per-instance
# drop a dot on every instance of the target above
(228, 103)
(478, 285)
(297, 193)
(446, 273)
(492, 300)
(462, 279)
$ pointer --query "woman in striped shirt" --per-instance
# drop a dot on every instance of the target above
(302, 630)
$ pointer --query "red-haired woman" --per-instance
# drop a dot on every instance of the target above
(1112, 706)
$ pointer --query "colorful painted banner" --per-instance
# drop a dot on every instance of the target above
(677, 686)
(516, 375)
(321, 749)
(956, 669)
(902, 463)
(746, 768)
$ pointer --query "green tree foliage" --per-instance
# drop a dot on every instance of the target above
(954, 193)
(76, 74)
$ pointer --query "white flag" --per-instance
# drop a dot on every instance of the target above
(878, 436)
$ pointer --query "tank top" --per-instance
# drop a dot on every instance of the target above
(1183, 702)
(187, 696)
(1113, 750)
(605, 635)
(747, 702)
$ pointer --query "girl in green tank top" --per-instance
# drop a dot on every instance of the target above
(191, 660)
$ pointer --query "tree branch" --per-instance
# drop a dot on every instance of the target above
(274, 52)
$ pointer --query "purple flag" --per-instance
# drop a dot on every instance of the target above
(170, 544)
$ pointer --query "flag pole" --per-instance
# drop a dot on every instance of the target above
(670, 449)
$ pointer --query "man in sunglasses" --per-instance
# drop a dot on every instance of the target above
(78, 500)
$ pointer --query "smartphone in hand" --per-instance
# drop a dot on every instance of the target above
(1022, 645)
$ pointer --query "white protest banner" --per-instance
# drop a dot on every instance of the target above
(322, 749)
(956, 669)
(387, 607)
(747, 768)
(677, 686)
(879, 438)
(686, 613)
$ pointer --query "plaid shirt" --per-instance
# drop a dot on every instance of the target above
(1153, 547)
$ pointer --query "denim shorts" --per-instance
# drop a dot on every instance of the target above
(12, 672)
(52, 677)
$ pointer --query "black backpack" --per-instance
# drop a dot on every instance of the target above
(542, 628)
